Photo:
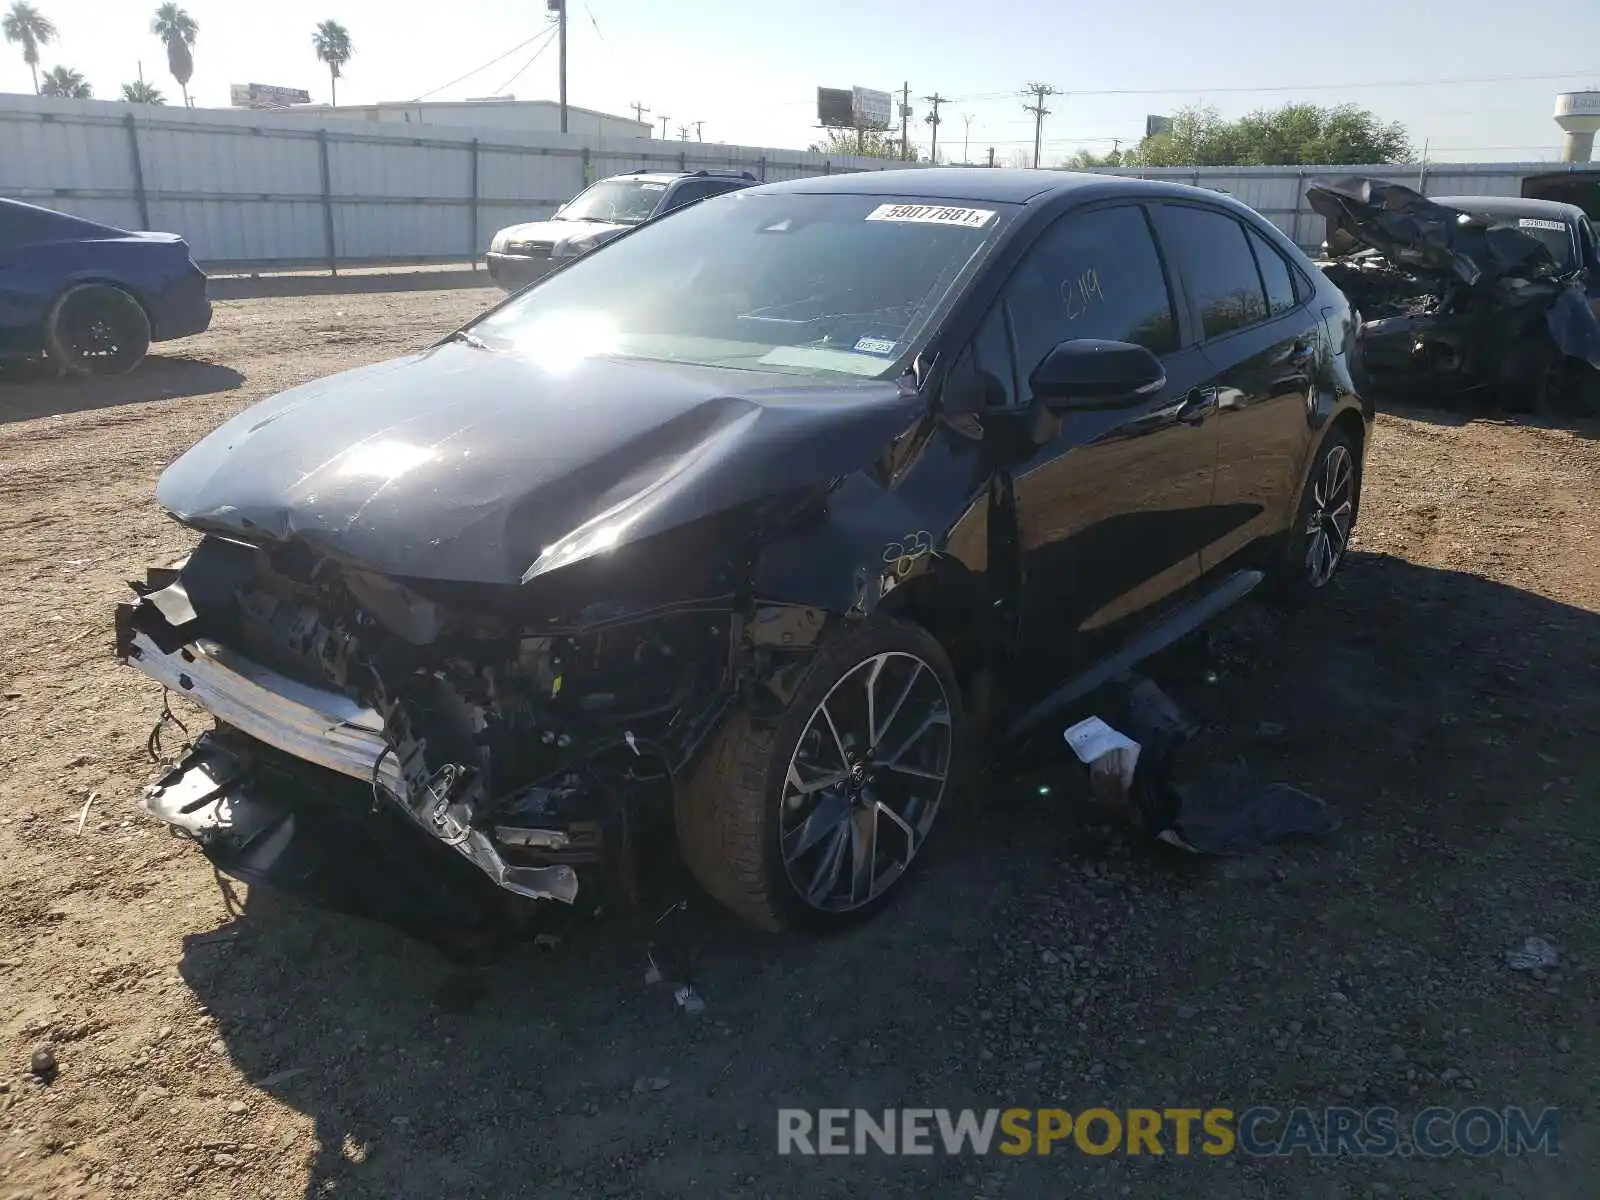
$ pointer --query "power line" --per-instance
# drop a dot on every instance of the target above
(484, 67)
(1301, 87)
(933, 119)
(531, 59)
(1040, 92)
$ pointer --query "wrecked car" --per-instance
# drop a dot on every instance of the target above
(1468, 298)
(756, 528)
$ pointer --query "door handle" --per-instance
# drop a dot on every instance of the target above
(1198, 405)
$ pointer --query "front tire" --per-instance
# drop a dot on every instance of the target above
(1324, 520)
(816, 820)
(96, 329)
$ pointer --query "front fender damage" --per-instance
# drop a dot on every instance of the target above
(533, 747)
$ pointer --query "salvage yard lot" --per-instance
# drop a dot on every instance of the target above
(1445, 697)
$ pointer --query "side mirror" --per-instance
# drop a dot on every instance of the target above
(1091, 373)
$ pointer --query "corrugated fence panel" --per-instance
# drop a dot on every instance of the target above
(395, 169)
(247, 188)
(400, 232)
(245, 230)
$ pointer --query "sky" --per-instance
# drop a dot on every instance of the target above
(1475, 82)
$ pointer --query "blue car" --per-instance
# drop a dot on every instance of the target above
(91, 296)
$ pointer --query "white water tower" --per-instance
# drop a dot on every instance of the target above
(1578, 114)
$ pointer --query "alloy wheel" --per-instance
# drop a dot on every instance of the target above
(865, 781)
(1328, 523)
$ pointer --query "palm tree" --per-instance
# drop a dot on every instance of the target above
(142, 93)
(66, 83)
(332, 43)
(177, 29)
(26, 25)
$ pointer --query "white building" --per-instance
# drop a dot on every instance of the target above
(500, 112)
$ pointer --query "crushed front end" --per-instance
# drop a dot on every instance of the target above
(418, 752)
(1457, 306)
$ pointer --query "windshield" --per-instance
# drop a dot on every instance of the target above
(1555, 235)
(804, 284)
(626, 201)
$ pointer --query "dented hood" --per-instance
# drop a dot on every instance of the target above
(1419, 235)
(481, 466)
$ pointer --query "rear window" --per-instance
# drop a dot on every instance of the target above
(22, 224)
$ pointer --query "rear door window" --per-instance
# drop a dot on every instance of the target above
(1091, 275)
(1218, 269)
(1276, 274)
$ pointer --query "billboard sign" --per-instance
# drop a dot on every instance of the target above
(871, 109)
(265, 95)
(1154, 125)
(835, 108)
(854, 108)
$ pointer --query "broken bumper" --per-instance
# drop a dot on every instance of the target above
(216, 794)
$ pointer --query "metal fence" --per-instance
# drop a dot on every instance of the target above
(1279, 193)
(257, 190)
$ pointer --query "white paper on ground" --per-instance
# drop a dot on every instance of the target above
(1091, 738)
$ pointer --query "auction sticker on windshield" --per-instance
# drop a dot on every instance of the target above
(1536, 223)
(933, 214)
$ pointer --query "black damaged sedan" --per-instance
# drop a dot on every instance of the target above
(759, 524)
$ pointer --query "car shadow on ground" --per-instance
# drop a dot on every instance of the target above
(1436, 710)
(256, 287)
(35, 389)
(1469, 414)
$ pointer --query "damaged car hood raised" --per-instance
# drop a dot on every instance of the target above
(1413, 232)
(467, 464)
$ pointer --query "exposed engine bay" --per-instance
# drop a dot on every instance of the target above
(1459, 305)
(531, 752)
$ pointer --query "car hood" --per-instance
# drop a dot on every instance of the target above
(472, 465)
(1422, 236)
(551, 232)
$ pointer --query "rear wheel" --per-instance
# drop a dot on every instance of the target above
(817, 820)
(96, 329)
(1320, 535)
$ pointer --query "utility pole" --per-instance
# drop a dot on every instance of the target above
(639, 111)
(905, 120)
(664, 121)
(697, 135)
(934, 119)
(683, 133)
(559, 7)
(1040, 92)
(991, 156)
(966, 136)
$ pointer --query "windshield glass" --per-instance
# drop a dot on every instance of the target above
(805, 284)
(627, 201)
(1555, 235)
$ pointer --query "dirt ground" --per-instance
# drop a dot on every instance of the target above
(1445, 696)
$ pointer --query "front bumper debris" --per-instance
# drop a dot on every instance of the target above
(210, 795)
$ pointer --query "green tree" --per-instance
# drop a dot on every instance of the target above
(177, 29)
(870, 143)
(65, 83)
(1082, 160)
(141, 92)
(1294, 135)
(28, 27)
(332, 43)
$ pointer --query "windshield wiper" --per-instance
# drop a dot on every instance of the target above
(471, 339)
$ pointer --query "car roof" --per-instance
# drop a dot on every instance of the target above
(1513, 206)
(674, 176)
(1005, 185)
